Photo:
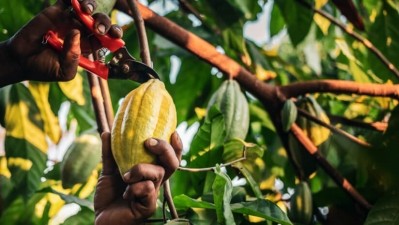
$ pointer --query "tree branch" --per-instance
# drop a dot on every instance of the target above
(340, 87)
(377, 126)
(334, 129)
(328, 168)
(141, 33)
(98, 102)
(356, 36)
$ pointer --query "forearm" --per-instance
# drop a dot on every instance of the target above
(9, 68)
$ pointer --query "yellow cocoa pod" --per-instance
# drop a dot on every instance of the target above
(147, 111)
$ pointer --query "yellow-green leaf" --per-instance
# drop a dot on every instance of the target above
(73, 89)
(40, 92)
(23, 123)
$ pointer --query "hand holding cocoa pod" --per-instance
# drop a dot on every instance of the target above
(132, 199)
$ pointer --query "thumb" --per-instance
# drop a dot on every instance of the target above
(69, 60)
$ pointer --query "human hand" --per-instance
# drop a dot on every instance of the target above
(132, 199)
(33, 60)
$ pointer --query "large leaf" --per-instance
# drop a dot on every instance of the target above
(262, 208)
(13, 15)
(210, 135)
(222, 189)
(385, 211)
(73, 89)
(298, 19)
(193, 79)
(40, 92)
(25, 143)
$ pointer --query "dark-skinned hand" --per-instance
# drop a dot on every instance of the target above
(25, 57)
(132, 198)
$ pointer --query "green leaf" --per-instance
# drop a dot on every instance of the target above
(25, 142)
(83, 217)
(184, 202)
(262, 208)
(41, 91)
(385, 211)
(71, 198)
(190, 89)
(222, 189)
(277, 22)
(384, 34)
(13, 15)
(210, 135)
(298, 19)
(178, 222)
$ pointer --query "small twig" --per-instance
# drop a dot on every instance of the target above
(141, 33)
(109, 111)
(377, 126)
(356, 36)
(328, 168)
(97, 99)
(190, 9)
(211, 168)
(169, 200)
(333, 129)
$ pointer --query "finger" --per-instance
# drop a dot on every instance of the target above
(88, 6)
(141, 172)
(115, 31)
(69, 60)
(109, 164)
(177, 144)
(102, 23)
(165, 154)
(143, 197)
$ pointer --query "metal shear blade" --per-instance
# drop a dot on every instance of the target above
(125, 66)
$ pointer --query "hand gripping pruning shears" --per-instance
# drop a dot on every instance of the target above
(121, 66)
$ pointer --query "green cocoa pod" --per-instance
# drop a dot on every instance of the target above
(288, 114)
(232, 103)
(80, 159)
(301, 204)
(316, 133)
(104, 6)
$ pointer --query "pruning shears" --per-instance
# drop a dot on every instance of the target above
(121, 66)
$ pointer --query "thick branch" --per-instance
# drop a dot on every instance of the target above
(340, 87)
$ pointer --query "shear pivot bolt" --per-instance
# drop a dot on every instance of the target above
(125, 68)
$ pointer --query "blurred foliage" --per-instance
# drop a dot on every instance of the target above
(42, 120)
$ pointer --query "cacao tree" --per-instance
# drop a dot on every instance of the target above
(321, 92)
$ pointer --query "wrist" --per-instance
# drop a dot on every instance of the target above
(10, 71)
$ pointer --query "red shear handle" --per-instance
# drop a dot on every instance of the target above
(98, 68)
(112, 44)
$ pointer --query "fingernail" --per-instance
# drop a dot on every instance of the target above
(126, 176)
(90, 7)
(101, 28)
(152, 142)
